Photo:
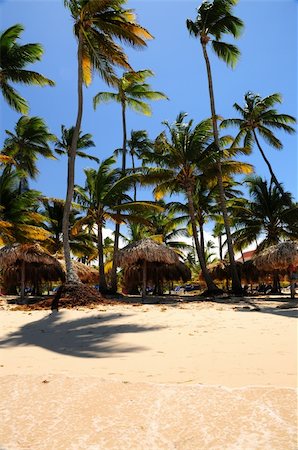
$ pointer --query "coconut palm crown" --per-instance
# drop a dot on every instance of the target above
(13, 60)
(259, 117)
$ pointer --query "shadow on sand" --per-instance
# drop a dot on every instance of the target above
(89, 337)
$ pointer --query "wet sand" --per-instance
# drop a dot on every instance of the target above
(186, 376)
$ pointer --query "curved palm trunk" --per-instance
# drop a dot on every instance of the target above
(71, 276)
(236, 284)
(273, 177)
(102, 277)
(212, 288)
(117, 228)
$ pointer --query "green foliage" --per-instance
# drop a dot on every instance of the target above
(14, 59)
(63, 146)
(214, 20)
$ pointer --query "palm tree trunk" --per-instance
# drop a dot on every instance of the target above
(124, 137)
(220, 246)
(71, 276)
(202, 240)
(101, 269)
(273, 177)
(117, 228)
(212, 288)
(236, 285)
(114, 267)
(133, 170)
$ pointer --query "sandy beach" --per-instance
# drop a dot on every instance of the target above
(168, 376)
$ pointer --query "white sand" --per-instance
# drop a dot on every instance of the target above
(192, 376)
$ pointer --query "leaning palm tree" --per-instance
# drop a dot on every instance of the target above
(96, 26)
(215, 19)
(62, 146)
(259, 117)
(14, 59)
(30, 139)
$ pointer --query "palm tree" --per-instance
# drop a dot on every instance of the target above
(266, 215)
(19, 219)
(137, 144)
(96, 26)
(258, 117)
(177, 159)
(131, 92)
(14, 59)
(215, 19)
(81, 243)
(30, 139)
(104, 198)
(62, 146)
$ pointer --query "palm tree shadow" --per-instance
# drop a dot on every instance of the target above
(88, 337)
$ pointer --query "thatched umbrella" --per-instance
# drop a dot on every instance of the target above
(279, 256)
(31, 261)
(143, 252)
(86, 274)
(156, 272)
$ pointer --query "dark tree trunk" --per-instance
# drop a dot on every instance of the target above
(144, 283)
(273, 177)
(117, 228)
(212, 288)
(71, 276)
(101, 269)
(236, 284)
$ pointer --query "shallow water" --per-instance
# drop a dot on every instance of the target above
(58, 412)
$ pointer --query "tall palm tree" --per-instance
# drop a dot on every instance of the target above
(97, 23)
(19, 219)
(63, 145)
(14, 59)
(214, 19)
(104, 198)
(30, 139)
(259, 117)
(132, 91)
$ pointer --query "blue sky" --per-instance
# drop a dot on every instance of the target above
(268, 64)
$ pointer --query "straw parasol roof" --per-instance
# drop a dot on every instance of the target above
(16, 254)
(31, 263)
(86, 274)
(146, 250)
(157, 272)
(279, 256)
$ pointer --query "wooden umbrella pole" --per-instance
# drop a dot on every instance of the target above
(144, 278)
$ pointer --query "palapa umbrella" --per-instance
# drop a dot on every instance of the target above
(143, 252)
(156, 272)
(276, 257)
(31, 261)
(86, 274)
